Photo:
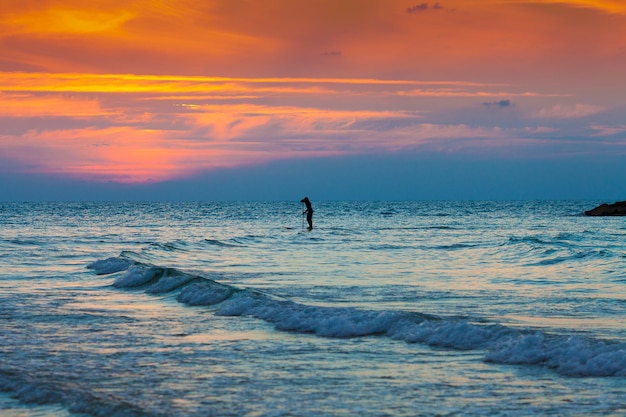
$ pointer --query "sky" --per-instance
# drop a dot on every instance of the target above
(337, 100)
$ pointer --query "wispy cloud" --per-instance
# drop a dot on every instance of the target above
(473, 92)
(568, 111)
(67, 20)
(602, 130)
(28, 105)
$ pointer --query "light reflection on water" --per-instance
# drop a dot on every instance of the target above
(526, 269)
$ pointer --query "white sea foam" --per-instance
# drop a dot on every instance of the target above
(572, 356)
(458, 334)
(323, 321)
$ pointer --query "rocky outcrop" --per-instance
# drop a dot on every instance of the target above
(615, 209)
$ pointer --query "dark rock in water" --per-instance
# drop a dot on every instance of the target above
(615, 209)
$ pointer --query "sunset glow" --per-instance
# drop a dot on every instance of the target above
(140, 91)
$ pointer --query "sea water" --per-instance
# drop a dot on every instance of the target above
(383, 309)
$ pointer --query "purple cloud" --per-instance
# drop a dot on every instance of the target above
(501, 103)
(422, 7)
(417, 8)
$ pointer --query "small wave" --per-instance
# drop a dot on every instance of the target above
(24, 242)
(387, 246)
(300, 318)
(560, 241)
(143, 257)
(532, 240)
(567, 355)
(170, 280)
(435, 227)
(110, 265)
(543, 251)
(576, 256)
(136, 276)
(553, 261)
(176, 246)
(196, 290)
(215, 242)
(205, 293)
(454, 246)
(31, 390)
(158, 280)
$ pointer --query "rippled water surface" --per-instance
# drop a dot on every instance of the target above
(384, 309)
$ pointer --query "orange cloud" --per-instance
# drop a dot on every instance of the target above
(481, 38)
(64, 21)
(71, 35)
(27, 105)
(226, 85)
(609, 6)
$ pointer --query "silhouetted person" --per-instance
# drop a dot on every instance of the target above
(308, 211)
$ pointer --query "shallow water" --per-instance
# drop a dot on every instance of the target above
(385, 308)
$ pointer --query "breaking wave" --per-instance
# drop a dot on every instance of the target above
(569, 355)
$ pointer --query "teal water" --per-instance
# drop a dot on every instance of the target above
(384, 309)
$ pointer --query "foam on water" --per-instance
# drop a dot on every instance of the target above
(568, 355)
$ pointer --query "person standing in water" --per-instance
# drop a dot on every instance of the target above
(308, 211)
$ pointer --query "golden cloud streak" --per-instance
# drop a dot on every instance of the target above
(65, 21)
(25, 105)
(609, 6)
(131, 83)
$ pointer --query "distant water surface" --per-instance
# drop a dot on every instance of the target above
(383, 309)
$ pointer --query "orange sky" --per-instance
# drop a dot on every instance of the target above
(135, 91)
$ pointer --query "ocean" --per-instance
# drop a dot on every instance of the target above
(425, 308)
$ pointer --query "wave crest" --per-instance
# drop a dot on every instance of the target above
(568, 355)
